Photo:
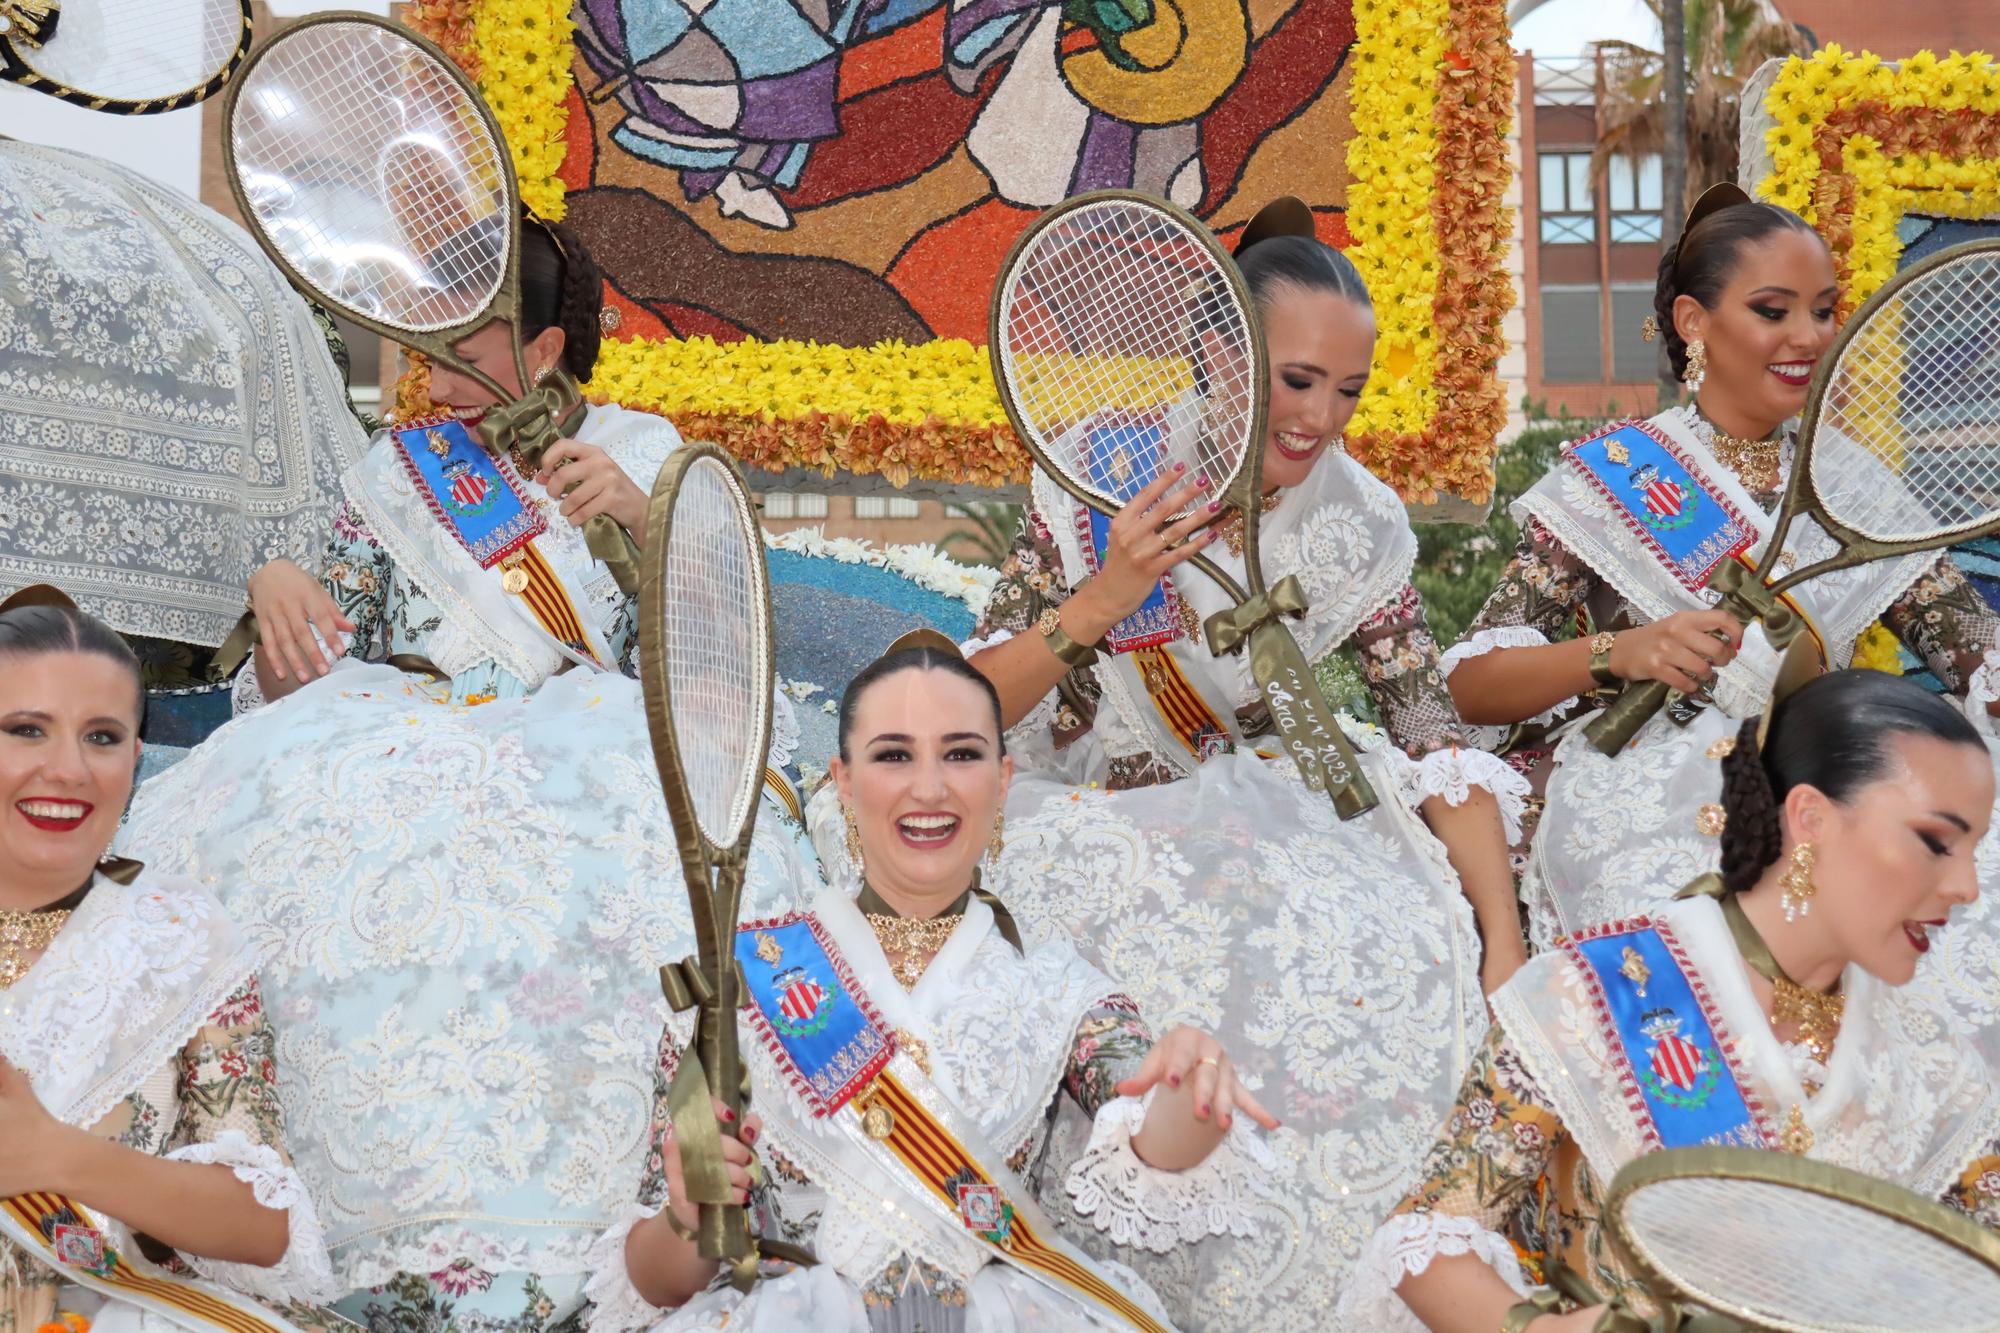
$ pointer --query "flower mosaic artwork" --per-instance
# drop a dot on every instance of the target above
(801, 207)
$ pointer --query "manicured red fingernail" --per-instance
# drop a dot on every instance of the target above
(750, 1134)
(1201, 479)
(1203, 1110)
(1173, 1080)
(729, 1115)
(1215, 506)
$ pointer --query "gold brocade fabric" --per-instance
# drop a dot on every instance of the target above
(24, 935)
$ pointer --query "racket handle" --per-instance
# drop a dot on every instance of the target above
(1613, 729)
(615, 547)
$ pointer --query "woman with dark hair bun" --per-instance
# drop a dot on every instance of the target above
(1158, 823)
(438, 807)
(138, 1078)
(1621, 535)
(1769, 1006)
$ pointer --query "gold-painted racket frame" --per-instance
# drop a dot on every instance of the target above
(14, 68)
(1755, 598)
(1881, 1197)
(1354, 796)
(528, 421)
(714, 873)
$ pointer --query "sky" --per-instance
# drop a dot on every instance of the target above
(1567, 27)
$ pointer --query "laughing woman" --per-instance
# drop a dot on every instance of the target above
(137, 1078)
(447, 827)
(1347, 957)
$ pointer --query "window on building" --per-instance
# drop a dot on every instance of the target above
(1572, 335)
(1568, 205)
(1633, 190)
(790, 504)
(885, 506)
(1633, 359)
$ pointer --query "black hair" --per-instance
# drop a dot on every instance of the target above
(1833, 734)
(40, 629)
(561, 288)
(1701, 263)
(912, 659)
(1303, 262)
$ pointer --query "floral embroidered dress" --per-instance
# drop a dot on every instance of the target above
(1337, 961)
(1553, 1107)
(1616, 829)
(143, 1022)
(994, 1041)
(466, 887)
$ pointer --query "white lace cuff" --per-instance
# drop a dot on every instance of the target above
(1492, 640)
(616, 1305)
(306, 1272)
(1453, 773)
(245, 694)
(993, 640)
(1982, 689)
(1404, 1247)
(1137, 1204)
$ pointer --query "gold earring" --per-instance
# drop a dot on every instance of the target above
(998, 843)
(1697, 365)
(541, 374)
(853, 838)
(1797, 882)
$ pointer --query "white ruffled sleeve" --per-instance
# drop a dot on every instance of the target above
(1136, 1204)
(1482, 642)
(306, 1271)
(1453, 773)
(616, 1305)
(1403, 1247)
(1982, 689)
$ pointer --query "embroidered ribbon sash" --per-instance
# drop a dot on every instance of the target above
(485, 510)
(1688, 525)
(821, 1030)
(65, 1237)
(1678, 1080)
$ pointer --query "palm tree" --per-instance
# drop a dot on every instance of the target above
(991, 536)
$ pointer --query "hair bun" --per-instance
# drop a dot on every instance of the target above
(40, 594)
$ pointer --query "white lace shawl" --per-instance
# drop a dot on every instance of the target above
(998, 1026)
(1342, 532)
(1905, 1099)
(480, 621)
(170, 416)
(131, 977)
(1597, 532)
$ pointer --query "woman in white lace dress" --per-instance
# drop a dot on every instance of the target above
(1341, 962)
(447, 826)
(906, 1046)
(140, 1131)
(1768, 1007)
(1746, 302)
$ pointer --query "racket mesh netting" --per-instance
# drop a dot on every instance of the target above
(1789, 1258)
(1123, 348)
(716, 637)
(1907, 444)
(368, 168)
(137, 50)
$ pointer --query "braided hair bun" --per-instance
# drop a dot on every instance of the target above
(561, 287)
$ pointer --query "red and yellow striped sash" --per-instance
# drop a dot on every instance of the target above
(1181, 706)
(940, 1161)
(547, 599)
(30, 1219)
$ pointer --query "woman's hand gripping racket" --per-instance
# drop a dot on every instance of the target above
(705, 659)
(1124, 343)
(129, 57)
(368, 167)
(1767, 1240)
(1899, 450)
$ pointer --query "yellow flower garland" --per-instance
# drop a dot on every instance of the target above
(913, 411)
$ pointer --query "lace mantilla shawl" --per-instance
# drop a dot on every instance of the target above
(170, 416)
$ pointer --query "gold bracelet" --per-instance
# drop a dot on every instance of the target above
(1067, 650)
(1600, 659)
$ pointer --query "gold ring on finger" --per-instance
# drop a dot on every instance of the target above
(1208, 1060)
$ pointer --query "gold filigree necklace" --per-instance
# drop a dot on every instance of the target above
(1230, 525)
(908, 942)
(1756, 463)
(1817, 1013)
(24, 933)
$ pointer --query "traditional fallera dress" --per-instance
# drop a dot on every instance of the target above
(143, 1023)
(466, 884)
(907, 1111)
(1631, 541)
(1337, 962)
(1646, 1034)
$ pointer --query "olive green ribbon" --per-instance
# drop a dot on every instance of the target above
(1226, 630)
(722, 1231)
(1618, 1317)
(1745, 593)
(1290, 690)
(29, 21)
(1749, 940)
(547, 412)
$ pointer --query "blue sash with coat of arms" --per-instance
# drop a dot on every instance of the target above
(819, 1027)
(1685, 522)
(1685, 1088)
(1121, 457)
(466, 489)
